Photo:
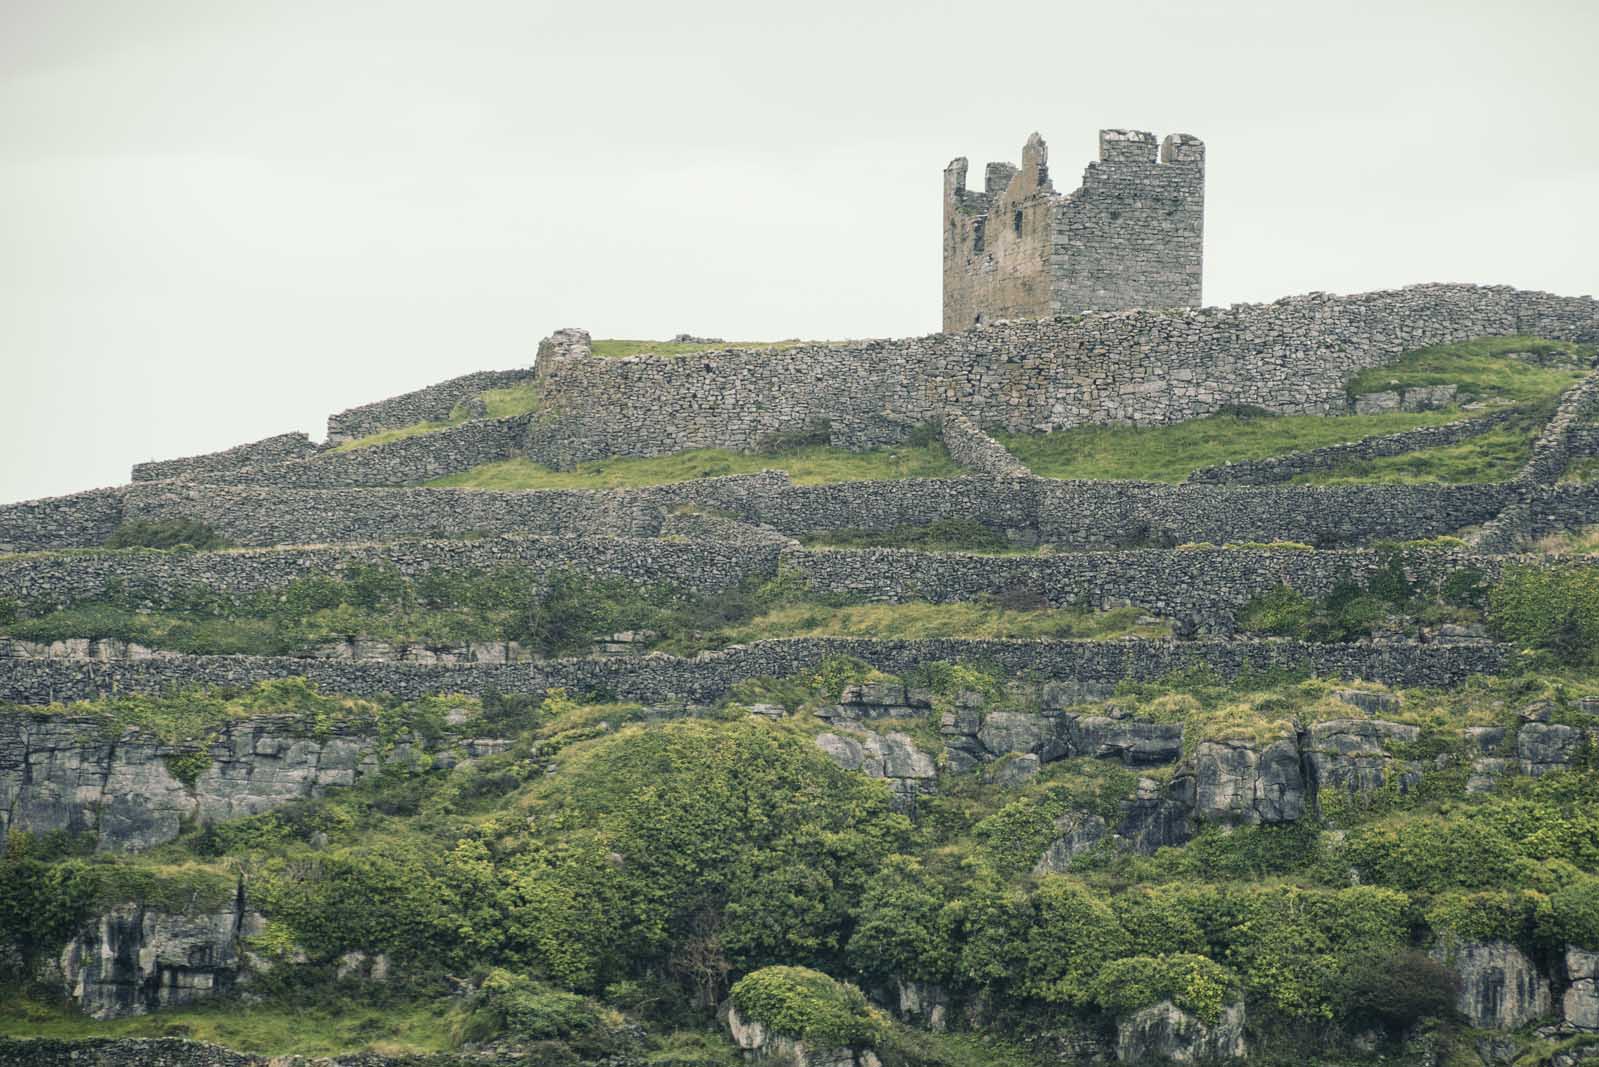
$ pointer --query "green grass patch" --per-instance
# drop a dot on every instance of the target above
(1571, 542)
(1171, 453)
(809, 465)
(975, 620)
(1495, 456)
(1483, 369)
(519, 399)
(1582, 470)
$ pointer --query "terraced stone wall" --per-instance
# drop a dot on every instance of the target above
(430, 404)
(1027, 510)
(59, 580)
(1143, 367)
(280, 449)
(710, 676)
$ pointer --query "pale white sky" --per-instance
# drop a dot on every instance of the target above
(223, 219)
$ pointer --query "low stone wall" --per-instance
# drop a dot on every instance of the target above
(431, 404)
(1142, 367)
(120, 1052)
(1285, 468)
(977, 452)
(81, 520)
(659, 679)
(58, 580)
(1553, 450)
(280, 449)
(403, 462)
(1203, 587)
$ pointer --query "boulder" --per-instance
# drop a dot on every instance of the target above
(893, 757)
(1004, 732)
(1580, 1004)
(1500, 988)
(760, 1045)
(1014, 771)
(1368, 701)
(1135, 743)
(1164, 1032)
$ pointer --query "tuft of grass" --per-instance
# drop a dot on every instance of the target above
(1582, 470)
(1571, 542)
(519, 399)
(810, 465)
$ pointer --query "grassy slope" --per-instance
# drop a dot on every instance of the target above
(498, 403)
(1481, 368)
(809, 465)
(1495, 456)
(976, 621)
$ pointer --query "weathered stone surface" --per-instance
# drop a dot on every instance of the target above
(1543, 747)
(1165, 1033)
(1078, 832)
(893, 757)
(923, 1003)
(1580, 1004)
(132, 960)
(1235, 782)
(1349, 755)
(1500, 988)
(760, 1045)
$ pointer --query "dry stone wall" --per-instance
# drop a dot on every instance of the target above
(977, 452)
(56, 579)
(706, 678)
(1285, 468)
(279, 449)
(422, 405)
(1139, 367)
(403, 462)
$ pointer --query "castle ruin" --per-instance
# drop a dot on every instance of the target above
(1130, 237)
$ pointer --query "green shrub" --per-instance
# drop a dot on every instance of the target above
(808, 1005)
(1551, 608)
(1193, 983)
(175, 532)
(1282, 612)
(1488, 915)
(42, 906)
(1397, 988)
(1573, 916)
(519, 1008)
(1432, 854)
(903, 925)
(1069, 934)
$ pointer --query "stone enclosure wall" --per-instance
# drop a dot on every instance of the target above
(279, 449)
(432, 403)
(1140, 367)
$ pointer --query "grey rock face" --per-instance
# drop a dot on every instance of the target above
(1580, 1004)
(761, 1045)
(1234, 782)
(1348, 755)
(1500, 988)
(63, 773)
(1543, 747)
(893, 757)
(1078, 833)
(132, 960)
(1164, 1032)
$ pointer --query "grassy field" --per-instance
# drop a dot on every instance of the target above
(810, 465)
(1171, 453)
(1483, 369)
(1495, 456)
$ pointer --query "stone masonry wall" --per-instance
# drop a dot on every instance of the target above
(1029, 510)
(1140, 367)
(403, 462)
(706, 678)
(422, 405)
(279, 449)
(1284, 468)
(51, 579)
(977, 452)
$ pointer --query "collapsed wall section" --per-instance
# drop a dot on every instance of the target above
(433, 403)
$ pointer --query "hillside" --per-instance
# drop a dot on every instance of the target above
(831, 725)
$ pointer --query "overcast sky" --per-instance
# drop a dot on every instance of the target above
(224, 219)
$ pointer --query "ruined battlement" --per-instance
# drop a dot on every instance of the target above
(1130, 236)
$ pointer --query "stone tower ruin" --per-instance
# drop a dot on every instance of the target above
(1131, 236)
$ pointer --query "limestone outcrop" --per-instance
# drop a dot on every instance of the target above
(761, 1046)
(1165, 1033)
(1500, 988)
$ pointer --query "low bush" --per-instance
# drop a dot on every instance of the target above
(805, 1004)
(176, 532)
